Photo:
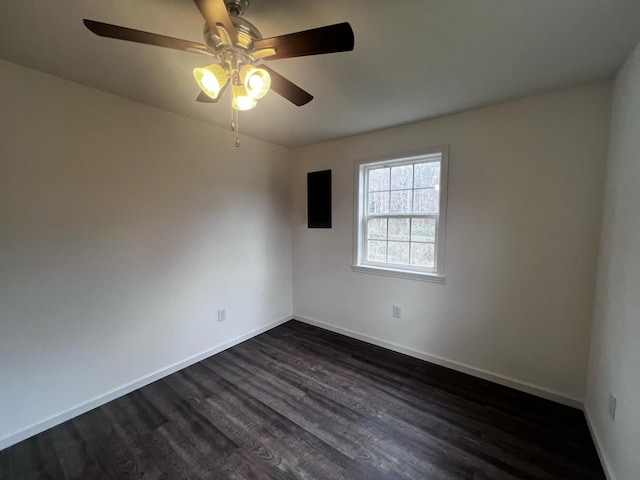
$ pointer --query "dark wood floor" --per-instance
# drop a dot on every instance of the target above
(299, 402)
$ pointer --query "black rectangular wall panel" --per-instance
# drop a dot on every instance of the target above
(319, 199)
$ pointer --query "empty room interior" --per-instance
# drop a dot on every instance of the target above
(412, 253)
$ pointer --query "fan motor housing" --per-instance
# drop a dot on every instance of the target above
(243, 27)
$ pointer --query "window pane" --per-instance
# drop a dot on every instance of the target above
(423, 254)
(426, 200)
(378, 202)
(377, 228)
(399, 229)
(427, 175)
(379, 179)
(402, 177)
(423, 230)
(399, 252)
(401, 201)
(376, 251)
(400, 214)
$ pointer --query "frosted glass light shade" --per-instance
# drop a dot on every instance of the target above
(256, 81)
(240, 100)
(211, 79)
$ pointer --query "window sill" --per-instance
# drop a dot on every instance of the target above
(389, 272)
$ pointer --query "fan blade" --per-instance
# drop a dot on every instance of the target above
(204, 98)
(288, 89)
(215, 13)
(131, 35)
(329, 39)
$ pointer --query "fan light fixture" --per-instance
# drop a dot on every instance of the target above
(252, 83)
(256, 80)
(211, 79)
(241, 99)
(248, 82)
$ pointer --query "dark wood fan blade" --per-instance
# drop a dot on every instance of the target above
(215, 13)
(131, 35)
(287, 88)
(204, 98)
(329, 39)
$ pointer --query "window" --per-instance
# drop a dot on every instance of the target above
(400, 215)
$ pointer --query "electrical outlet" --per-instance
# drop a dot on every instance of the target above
(612, 406)
(397, 311)
(222, 314)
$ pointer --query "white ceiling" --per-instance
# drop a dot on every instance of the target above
(413, 59)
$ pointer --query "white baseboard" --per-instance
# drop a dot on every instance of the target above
(596, 440)
(444, 362)
(130, 387)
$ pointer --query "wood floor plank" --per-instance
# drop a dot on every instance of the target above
(315, 457)
(299, 402)
(400, 430)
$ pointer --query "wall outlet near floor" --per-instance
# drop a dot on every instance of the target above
(222, 314)
(397, 311)
(612, 406)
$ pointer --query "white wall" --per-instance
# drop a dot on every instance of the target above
(525, 195)
(122, 230)
(614, 364)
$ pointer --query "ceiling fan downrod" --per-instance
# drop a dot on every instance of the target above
(236, 8)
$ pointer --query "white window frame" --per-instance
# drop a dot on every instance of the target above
(361, 265)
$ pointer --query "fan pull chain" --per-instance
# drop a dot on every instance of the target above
(237, 144)
(235, 125)
(233, 119)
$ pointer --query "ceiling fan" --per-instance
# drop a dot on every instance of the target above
(237, 49)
